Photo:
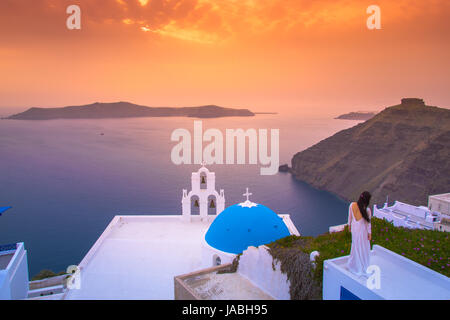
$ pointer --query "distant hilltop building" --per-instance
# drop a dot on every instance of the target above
(412, 101)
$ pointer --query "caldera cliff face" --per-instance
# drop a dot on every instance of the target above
(403, 152)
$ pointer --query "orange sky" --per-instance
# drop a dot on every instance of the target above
(266, 55)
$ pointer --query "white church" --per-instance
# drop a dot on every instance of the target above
(138, 257)
(202, 195)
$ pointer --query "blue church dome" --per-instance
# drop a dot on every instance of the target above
(240, 226)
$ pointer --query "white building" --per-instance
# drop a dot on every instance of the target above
(399, 279)
(202, 196)
(138, 257)
(440, 203)
(13, 272)
(408, 216)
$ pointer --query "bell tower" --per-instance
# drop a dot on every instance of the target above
(203, 185)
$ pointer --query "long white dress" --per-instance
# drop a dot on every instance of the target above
(360, 252)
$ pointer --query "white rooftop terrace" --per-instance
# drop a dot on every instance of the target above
(401, 279)
(137, 257)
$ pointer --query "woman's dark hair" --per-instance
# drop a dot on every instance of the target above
(363, 203)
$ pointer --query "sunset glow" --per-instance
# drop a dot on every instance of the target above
(264, 55)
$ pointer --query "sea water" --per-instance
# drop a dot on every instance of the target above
(66, 179)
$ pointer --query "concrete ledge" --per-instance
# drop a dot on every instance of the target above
(183, 292)
(47, 291)
(47, 282)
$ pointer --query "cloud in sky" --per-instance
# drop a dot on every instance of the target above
(213, 21)
(222, 51)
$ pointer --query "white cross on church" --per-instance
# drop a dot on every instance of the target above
(247, 203)
(247, 194)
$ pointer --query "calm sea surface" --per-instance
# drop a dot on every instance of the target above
(66, 181)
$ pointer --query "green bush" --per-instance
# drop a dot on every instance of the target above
(299, 271)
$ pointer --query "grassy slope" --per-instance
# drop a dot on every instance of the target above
(429, 248)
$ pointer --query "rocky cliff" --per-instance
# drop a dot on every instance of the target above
(403, 152)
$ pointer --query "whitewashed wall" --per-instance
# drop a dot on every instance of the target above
(256, 265)
(209, 255)
(14, 279)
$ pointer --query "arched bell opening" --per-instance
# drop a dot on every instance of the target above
(203, 181)
(195, 205)
(212, 205)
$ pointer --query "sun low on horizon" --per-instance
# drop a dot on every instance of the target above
(262, 55)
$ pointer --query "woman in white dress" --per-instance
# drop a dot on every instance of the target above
(359, 215)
